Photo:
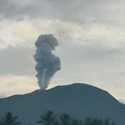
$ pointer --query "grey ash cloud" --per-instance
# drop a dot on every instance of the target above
(47, 63)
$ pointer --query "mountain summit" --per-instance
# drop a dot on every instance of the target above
(78, 100)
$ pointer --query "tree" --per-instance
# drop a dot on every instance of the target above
(97, 122)
(108, 122)
(76, 122)
(48, 118)
(65, 119)
(88, 121)
(9, 119)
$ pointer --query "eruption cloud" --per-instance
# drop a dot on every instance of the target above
(47, 64)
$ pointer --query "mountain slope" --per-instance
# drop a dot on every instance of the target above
(79, 100)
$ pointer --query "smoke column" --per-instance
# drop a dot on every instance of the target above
(47, 64)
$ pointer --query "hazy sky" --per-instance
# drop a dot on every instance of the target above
(91, 35)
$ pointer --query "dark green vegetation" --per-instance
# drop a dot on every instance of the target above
(50, 118)
(9, 119)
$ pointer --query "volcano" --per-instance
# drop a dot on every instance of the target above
(78, 100)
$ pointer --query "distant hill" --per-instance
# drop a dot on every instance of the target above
(78, 100)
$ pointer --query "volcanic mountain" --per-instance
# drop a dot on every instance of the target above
(78, 100)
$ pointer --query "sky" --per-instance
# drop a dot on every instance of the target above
(91, 36)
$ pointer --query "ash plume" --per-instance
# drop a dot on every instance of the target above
(47, 64)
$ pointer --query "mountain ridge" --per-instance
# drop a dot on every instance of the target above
(78, 100)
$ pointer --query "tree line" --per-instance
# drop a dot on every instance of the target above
(50, 118)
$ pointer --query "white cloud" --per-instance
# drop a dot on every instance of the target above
(24, 33)
(11, 85)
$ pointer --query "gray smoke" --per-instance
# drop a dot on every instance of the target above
(47, 63)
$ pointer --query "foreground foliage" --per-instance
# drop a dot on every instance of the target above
(9, 119)
(50, 118)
